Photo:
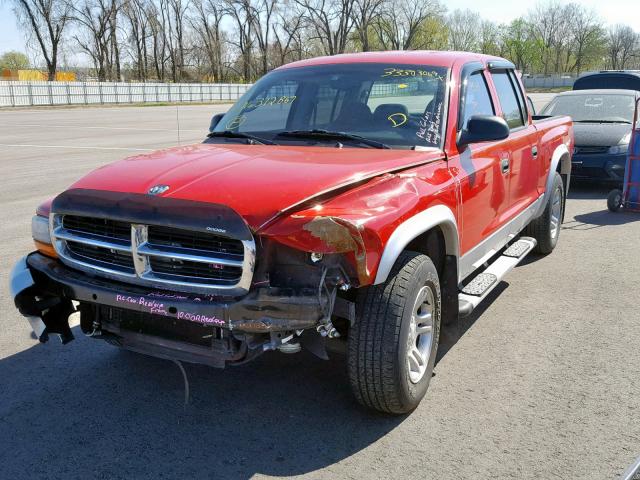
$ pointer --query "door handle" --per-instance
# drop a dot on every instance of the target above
(534, 152)
(504, 165)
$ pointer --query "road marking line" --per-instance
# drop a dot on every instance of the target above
(76, 147)
(40, 125)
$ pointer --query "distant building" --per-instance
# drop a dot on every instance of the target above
(35, 76)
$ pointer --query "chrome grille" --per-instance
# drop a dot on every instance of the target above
(153, 255)
(590, 150)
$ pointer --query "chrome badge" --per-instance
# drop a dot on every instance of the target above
(158, 189)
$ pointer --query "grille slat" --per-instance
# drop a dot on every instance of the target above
(153, 254)
(98, 226)
(105, 256)
(173, 237)
(590, 150)
(195, 269)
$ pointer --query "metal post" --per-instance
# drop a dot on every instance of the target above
(100, 93)
(84, 91)
(50, 93)
(68, 93)
(11, 94)
(157, 97)
(30, 92)
(130, 97)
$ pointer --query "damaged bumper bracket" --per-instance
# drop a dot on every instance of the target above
(38, 281)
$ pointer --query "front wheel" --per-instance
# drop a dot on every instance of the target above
(546, 228)
(394, 341)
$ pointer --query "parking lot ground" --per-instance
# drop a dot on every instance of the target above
(541, 382)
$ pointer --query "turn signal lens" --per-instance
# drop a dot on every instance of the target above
(42, 236)
(46, 249)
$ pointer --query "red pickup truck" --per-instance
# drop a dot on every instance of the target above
(366, 198)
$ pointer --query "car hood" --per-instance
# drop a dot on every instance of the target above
(257, 181)
(599, 134)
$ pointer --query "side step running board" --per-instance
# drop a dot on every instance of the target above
(481, 285)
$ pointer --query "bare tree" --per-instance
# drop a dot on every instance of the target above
(330, 22)
(135, 13)
(587, 35)
(45, 20)
(262, 18)
(207, 24)
(464, 29)
(365, 13)
(158, 40)
(242, 13)
(289, 37)
(93, 29)
(544, 24)
(622, 45)
(490, 41)
(398, 27)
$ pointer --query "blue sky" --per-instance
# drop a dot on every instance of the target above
(612, 11)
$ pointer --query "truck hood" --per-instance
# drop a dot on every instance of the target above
(257, 181)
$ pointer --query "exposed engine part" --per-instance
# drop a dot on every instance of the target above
(328, 330)
(290, 347)
(277, 342)
(316, 257)
(345, 286)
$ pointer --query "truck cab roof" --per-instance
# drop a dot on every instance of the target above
(432, 57)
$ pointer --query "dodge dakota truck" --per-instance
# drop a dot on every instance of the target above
(362, 198)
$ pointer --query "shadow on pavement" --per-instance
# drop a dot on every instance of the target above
(589, 191)
(89, 410)
(450, 334)
(601, 218)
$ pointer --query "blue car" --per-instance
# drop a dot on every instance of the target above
(602, 127)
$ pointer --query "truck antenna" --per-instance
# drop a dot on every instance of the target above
(178, 123)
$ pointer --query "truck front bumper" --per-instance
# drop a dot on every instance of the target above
(43, 289)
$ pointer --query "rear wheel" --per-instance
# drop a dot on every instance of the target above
(546, 228)
(393, 344)
(614, 200)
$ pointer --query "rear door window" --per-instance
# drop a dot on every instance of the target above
(512, 111)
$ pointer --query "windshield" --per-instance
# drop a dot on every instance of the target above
(617, 108)
(401, 106)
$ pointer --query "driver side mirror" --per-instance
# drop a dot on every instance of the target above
(215, 120)
(483, 128)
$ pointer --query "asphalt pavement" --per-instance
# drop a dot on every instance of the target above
(541, 382)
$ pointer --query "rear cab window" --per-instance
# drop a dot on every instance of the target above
(510, 97)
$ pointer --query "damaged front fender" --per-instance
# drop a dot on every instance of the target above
(359, 223)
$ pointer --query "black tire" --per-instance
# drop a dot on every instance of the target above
(543, 228)
(379, 341)
(614, 200)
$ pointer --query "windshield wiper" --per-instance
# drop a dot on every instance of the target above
(317, 133)
(602, 121)
(230, 134)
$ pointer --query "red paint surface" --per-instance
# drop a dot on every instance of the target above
(261, 181)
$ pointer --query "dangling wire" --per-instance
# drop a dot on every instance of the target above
(186, 382)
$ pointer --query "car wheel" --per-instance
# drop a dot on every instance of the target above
(546, 228)
(614, 200)
(393, 343)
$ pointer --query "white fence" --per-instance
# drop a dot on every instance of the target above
(549, 81)
(23, 94)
